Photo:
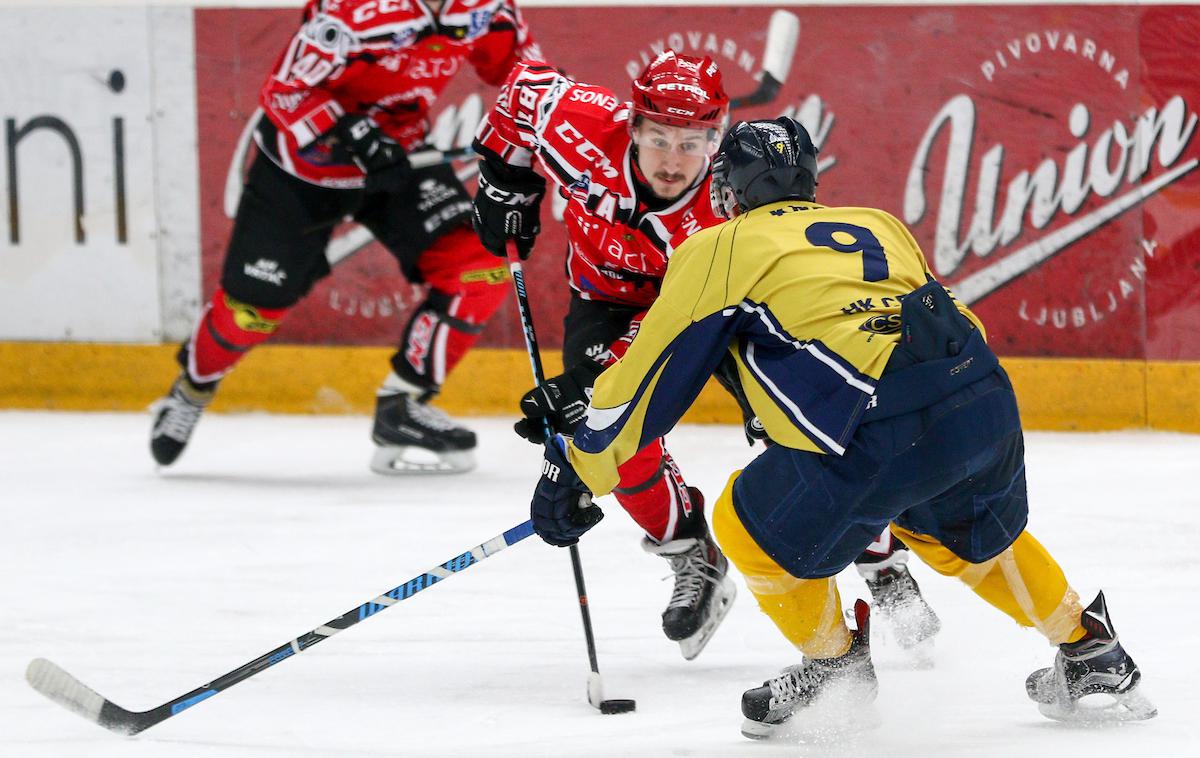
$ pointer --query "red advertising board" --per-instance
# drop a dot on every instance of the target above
(1045, 157)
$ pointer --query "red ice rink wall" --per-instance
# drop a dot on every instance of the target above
(1044, 156)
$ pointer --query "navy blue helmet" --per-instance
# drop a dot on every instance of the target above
(761, 162)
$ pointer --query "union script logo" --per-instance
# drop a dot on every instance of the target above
(1106, 154)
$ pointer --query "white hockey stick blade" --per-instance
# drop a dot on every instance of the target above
(783, 32)
(595, 689)
(50, 680)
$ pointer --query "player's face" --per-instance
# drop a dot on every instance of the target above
(671, 157)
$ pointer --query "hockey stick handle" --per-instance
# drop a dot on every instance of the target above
(539, 377)
(433, 157)
(67, 691)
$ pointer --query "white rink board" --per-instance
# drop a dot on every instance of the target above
(81, 254)
(146, 586)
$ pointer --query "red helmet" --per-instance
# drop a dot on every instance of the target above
(679, 90)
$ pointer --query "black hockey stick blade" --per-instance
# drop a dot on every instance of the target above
(52, 681)
(767, 90)
(783, 32)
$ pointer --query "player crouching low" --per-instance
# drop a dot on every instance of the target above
(914, 428)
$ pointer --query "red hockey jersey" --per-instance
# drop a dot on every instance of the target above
(388, 59)
(578, 134)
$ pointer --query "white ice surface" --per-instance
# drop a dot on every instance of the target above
(148, 584)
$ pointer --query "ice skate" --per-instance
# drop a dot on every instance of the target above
(772, 704)
(898, 602)
(703, 593)
(175, 416)
(1093, 680)
(416, 438)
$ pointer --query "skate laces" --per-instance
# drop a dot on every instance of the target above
(428, 416)
(179, 416)
(691, 572)
(793, 682)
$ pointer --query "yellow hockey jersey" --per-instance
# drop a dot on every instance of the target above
(807, 298)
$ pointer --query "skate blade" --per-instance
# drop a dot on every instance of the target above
(721, 603)
(409, 461)
(757, 730)
(1102, 709)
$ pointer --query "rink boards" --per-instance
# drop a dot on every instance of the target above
(1044, 156)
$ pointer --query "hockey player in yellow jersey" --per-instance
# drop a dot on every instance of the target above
(886, 407)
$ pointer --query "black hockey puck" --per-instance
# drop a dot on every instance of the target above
(609, 707)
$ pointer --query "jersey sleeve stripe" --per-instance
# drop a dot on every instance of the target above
(811, 430)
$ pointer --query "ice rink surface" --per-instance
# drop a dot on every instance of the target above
(148, 584)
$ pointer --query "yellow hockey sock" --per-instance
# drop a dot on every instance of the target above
(1024, 582)
(807, 611)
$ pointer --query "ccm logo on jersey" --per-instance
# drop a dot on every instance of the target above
(586, 149)
(373, 8)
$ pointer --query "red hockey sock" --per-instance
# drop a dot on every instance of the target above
(653, 492)
(466, 286)
(226, 331)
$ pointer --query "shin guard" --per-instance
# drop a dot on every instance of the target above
(653, 492)
(466, 286)
(227, 330)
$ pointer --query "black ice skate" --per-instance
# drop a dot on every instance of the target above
(416, 438)
(175, 417)
(797, 687)
(703, 593)
(1096, 665)
(898, 601)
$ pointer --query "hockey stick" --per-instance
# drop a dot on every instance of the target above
(595, 688)
(64, 689)
(783, 32)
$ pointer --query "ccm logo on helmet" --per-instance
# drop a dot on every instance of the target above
(680, 111)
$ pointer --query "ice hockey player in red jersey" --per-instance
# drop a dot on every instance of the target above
(635, 175)
(344, 105)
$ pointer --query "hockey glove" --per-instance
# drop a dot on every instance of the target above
(561, 402)
(378, 155)
(562, 508)
(508, 206)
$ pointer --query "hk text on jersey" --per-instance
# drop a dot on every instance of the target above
(386, 59)
(806, 298)
(579, 135)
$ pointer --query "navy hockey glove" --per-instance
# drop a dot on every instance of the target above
(379, 156)
(562, 508)
(508, 206)
(561, 402)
